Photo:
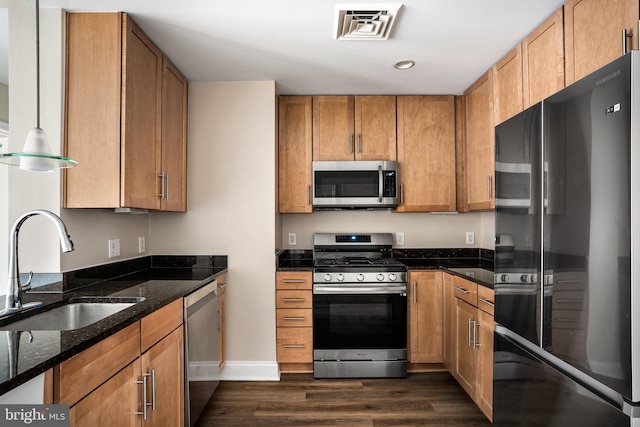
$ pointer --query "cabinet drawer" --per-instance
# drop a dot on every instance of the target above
(294, 317)
(465, 290)
(294, 280)
(295, 345)
(160, 323)
(293, 299)
(485, 299)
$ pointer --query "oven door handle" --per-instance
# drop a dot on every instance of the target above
(359, 289)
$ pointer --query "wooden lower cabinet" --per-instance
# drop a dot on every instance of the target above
(222, 314)
(104, 385)
(294, 321)
(425, 317)
(472, 351)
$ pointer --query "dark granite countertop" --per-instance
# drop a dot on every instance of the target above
(161, 282)
(473, 264)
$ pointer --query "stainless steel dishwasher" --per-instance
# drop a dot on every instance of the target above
(201, 356)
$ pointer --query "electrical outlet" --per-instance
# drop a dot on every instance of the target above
(470, 238)
(141, 245)
(400, 238)
(114, 248)
(292, 239)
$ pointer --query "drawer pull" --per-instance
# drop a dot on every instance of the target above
(294, 281)
(463, 290)
(294, 299)
(486, 301)
(569, 281)
(568, 301)
(295, 346)
(294, 318)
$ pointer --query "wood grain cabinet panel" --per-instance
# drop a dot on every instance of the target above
(543, 60)
(479, 144)
(593, 33)
(294, 154)
(333, 128)
(294, 321)
(507, 86)
(125, 117)
(426, 153)
(375, 127)
(425, 312)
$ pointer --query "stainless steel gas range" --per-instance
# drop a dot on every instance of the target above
(359, 307)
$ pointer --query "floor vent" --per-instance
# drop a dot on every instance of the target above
(364, 22)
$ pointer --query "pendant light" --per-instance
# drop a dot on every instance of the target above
(36, 155)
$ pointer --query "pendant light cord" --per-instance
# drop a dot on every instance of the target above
(38, 64)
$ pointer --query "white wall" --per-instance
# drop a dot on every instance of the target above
(421, 230)
(231, 201)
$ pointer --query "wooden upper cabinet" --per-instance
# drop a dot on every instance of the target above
(479, 144)
(375, 127)
(543, 60)
(593, 33)
(507, 85)
(333, 128)
(427, 153)
(130, 145)
(354, 128)
(174, 138)
(294, 154)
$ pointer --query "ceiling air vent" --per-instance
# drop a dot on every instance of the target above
(364, 22)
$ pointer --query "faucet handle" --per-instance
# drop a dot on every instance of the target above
(27, 286)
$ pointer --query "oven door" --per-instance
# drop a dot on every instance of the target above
(359, 319)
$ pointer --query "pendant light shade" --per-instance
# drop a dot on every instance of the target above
(36, 155)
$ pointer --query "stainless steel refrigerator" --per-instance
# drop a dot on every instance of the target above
(567, 260)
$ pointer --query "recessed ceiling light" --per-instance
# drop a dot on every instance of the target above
(404, 65)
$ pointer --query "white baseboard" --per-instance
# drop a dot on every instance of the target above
(250, 371)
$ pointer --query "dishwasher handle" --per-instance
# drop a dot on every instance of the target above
(196, 296)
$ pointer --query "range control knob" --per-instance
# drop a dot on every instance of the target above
(524, 278)
(392, 277)
(380, 277)
(360, 277)
(504, 278)
(340, 278)
(327, 277)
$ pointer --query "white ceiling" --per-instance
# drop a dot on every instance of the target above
(290, 41)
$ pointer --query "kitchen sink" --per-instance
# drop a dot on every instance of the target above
(75, 314)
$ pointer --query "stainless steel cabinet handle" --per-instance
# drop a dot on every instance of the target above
(489, 187)
(222, 286)
(486, 301)
(469, 341)
(476, 326)
(359, 143)
(153, 389)
(143, 381)
(308, 194)
(161, 194)
(294, 318)
(295, 346)
(293, 299)
(166, 186)
(415, 298)
(401, 194)
(351, 143)
(626, 35)
(463, 290)
(294, 281)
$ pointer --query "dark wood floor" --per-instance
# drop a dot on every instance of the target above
(299, 400)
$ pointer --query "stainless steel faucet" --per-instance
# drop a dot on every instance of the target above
(14, 287)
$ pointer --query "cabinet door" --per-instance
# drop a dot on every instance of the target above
(165, 362)
(294, 154)
(141, 113)
(449, 329)
(114, 403)
(466, 359)
(484, 386)
(427, 153)
(375, 127)
(222, 331)
(174, 139)
(593, 33)
(543, 60)
(93, 71)
(333, 137)
(479, 140)
(425, 317)
(507, 86)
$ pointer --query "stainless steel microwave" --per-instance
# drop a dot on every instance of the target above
(513, 185)
(355, 184)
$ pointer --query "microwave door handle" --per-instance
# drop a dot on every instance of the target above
(380, 183)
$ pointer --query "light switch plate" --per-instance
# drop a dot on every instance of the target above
(400, 238)
(292, 239)
(470, 238)
(142, 247)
